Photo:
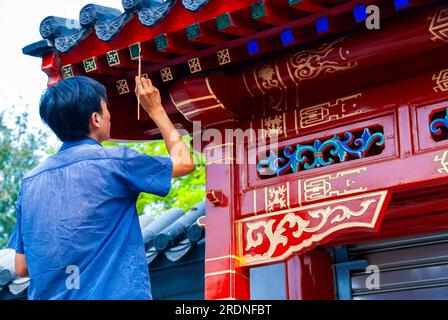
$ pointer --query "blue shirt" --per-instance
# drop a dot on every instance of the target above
(76, 215)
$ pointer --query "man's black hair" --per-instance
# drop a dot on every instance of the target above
(67, 107)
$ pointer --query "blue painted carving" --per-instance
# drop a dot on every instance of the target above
(129, 4)
(437, 124)
(66, 33)
(312, 156)
(65, 43)
(92, 14)
(194, 5)
(53, 27)
(108, 22)
(107, 30)
(136, 5)
(154, 11)
(38, 49)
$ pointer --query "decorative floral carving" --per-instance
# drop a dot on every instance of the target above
(107, 30)
(87, 15)
(266, 73)
(273, 126)
(151, 15)
(315, 221)
(275, 236)
(312, 156)
(270, 81)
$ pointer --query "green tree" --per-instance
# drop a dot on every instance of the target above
(185, 191)
(19, 153)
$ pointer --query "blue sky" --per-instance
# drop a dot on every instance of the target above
(21, 75)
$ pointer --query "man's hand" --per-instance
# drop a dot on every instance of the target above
(149, 96)
(150, 99)
(21, 266)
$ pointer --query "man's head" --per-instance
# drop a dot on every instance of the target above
(76, 108)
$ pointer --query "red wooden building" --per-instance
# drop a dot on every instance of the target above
(358, 183)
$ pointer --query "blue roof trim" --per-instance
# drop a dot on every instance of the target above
(92, 14)
(194, 5)
(176, 239)
(65, 43)
(151, 15)
(52, 27)
(161, 223)
(106, 31)
(173, 223)
(134, 5)
(66, 34)
(178, 230)
(38, 49)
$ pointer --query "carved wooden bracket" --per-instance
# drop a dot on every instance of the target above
(276, 236)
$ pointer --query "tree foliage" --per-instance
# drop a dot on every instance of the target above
(19, 153)
(21, 149)
(185, 191)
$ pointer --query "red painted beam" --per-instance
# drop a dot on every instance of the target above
(234, 24)
(173, 44)
(51, 66)
(202, 33)
(340, 63)
(309, 6)
(270, 13)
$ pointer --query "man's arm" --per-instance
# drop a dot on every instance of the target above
(150, 99)
(21, 266)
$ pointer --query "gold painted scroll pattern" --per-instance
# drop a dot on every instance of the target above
(441, 80)
(439, 25)
(273, 126)
(302, 65)
(276, 237)
(308, 64)
(268, 80)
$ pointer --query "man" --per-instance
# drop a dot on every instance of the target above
(77, 233)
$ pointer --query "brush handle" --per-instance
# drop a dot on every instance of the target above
(139, 76)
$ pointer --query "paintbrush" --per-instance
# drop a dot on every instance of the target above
(139, 78)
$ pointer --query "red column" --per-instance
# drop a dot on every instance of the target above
(310, 276)
(224, 279)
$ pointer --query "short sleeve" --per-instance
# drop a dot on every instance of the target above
(149, 174)
(15, 240)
